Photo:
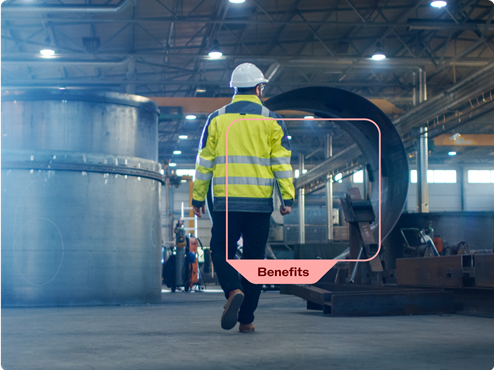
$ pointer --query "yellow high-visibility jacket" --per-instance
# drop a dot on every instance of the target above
(258, 155)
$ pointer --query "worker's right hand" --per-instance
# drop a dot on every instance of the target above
(285, 211)
(197, 210)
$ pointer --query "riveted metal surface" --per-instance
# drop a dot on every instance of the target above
(72, 234)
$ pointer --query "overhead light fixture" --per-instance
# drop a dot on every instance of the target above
(237, 1)
(201, 90)
(183, 137)
(379, 53)
(61, 88)
(215, 52)
(289, 137)
(452, 154)
(91, 44)
(438, 4)
(177, 152)
(47, 53)
(309, 117)
(190, 116)
(172, 164)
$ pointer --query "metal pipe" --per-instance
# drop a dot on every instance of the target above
(414, 95)
(462, 186)
(301, 202)
(355, 267)
(68, 8)
(424, 85)
(329, 189)
(329, 206)
(68, 62)
(204, 20)
(153, 81)
(301, 164)
(421, 85)
(422, 166)
(301, 215)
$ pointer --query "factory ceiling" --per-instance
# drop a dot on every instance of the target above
(160, 48)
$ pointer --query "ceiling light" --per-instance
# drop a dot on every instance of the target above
(309, 117)
(91, 44)
(237, 1)
(183, 137)
(379, 53)
(177, 152)
(190, 116)
(61, 88)
(439, 4)
(172, 164)
(452, 153)
(47, 53)
(289, 137)
(215, 51)
(201, 90)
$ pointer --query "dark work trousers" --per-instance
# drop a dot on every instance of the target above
(254, 229)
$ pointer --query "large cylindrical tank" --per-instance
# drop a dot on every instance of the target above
(80, 199)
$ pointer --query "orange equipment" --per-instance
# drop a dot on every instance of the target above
(193, 266)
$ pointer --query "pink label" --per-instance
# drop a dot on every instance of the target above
(292, 271)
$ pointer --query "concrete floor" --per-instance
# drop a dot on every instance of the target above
(184, 333)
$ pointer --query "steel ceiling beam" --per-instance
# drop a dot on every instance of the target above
(286, 61)
(418, 24)
(428, 110)
(65, 8)
(121, 81)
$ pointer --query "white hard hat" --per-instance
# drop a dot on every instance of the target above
(247, 75)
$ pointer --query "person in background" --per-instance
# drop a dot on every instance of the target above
(259, 154)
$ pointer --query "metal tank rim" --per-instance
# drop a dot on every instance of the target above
(81, 95)
(57, 160)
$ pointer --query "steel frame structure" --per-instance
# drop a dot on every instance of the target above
(160, 47)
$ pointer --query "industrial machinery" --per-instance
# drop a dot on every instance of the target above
(418, 243)
(81, 185)
(331, 102)
(182, 266)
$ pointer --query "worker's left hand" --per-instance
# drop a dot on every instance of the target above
(197, 210)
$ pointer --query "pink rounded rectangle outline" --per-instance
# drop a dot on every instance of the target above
(318, 266)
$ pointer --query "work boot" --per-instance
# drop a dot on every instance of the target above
(246, 328)
(230, 314)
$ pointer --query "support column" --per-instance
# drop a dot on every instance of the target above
(301, 203)
(461, 180)
(422, 166)
(421, 85)
(414, 95)
(329, 189)
(424, 86)
(131, 71)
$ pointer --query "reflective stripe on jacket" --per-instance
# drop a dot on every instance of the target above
(258, 153)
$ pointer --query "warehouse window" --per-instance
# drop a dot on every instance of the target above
(358, 177)
(436, 176)
(187, 173)
(480, 176)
